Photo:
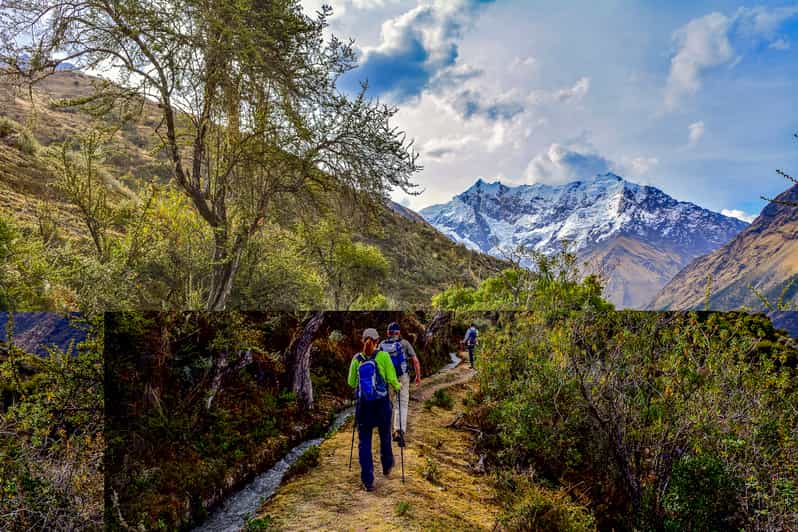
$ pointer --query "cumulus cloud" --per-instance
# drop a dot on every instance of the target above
(470, 103)
(781, 44)
(706, 42)
(762, 22)
(638, 166)
(560, 164)
(740, 215)
(523, 63)
(441, 148)
(703, 43)
(694, 132)
(577, 92)
(414, 47)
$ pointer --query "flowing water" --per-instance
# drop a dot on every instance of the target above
(232, 514)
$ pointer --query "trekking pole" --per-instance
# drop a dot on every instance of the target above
(401, 434)
(354, 426)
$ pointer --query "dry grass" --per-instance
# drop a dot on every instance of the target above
(330, 497)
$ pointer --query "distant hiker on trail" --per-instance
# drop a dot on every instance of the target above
(370, 373)
(400, 351)
(470, 340)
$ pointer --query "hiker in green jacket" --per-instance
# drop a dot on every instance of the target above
(370, 373)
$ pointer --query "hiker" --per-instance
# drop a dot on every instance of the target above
(370, 373)
(400, 350)
(470, 340)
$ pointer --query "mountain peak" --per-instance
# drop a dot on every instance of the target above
(594, 215)
(481, 186)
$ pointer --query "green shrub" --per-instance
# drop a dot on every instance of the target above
(431, 471)
(402, 508)
(25, 141)
(702, 495)
(440, 399)
(258, 524)
(537, 508)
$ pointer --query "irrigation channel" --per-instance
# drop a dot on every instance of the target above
(231, 515)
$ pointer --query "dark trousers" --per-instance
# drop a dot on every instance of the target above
(372, 414)
(471, 354)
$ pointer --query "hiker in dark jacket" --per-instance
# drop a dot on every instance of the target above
(370, 373)
(470, 340)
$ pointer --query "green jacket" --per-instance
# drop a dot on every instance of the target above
(384, 366)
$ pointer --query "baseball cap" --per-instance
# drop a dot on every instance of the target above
(371, 333)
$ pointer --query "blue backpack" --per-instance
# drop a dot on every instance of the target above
(471, 336)
(393, 346)
(371, 385)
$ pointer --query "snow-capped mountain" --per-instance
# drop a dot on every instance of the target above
(637, 237)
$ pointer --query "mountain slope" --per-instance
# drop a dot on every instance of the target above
(423, 261)
(636, 237)
(764, 255)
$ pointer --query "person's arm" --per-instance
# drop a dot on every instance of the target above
(352, 380)
(417, 367)
(411, 354)
(386, 369)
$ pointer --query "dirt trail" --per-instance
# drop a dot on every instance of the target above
(330, 497)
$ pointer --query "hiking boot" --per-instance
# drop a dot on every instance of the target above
(387, 472)
(368, 488)
(397, 435)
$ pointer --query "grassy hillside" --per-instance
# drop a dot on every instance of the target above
(422, 261)
(764, 256)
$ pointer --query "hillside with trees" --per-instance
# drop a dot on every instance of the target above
(188, 183)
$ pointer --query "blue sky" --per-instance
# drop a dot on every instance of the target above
(696, 98)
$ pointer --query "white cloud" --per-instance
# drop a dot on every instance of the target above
(638, 166)
(527, 63)
(781, 44)
(577, 92)
(706, 42)
(762, 22)
(694, 132)
(703, 43)
(740, 215)
(440, 148)
(560, 164)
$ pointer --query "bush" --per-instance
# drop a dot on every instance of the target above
(537, 508)
(702, 495)
(18, 136)
(440, 399)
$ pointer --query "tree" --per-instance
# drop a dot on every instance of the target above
(351, 269)
(298, 359)
(251, 114)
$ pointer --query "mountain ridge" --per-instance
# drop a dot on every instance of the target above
(764, 256)
(596, 214)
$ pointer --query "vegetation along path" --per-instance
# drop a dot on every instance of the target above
(442, 489)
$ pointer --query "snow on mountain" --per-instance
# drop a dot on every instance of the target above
(590, 214)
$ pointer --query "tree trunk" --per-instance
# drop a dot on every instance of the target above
(299, 360)
(221, 370)
(225, 266)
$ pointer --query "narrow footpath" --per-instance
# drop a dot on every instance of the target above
(442, 489)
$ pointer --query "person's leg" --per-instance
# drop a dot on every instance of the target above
(384, 428)
(365, 427)
(400, 400)
(471, 355)
(404, 393)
